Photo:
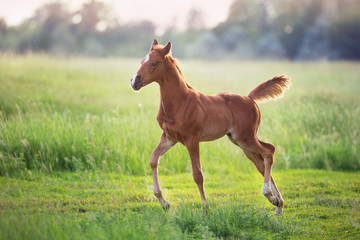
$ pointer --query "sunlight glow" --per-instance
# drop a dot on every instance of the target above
(76, 18)
(101, 26)
(176, 14)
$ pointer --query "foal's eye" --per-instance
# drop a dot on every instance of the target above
(153, 65)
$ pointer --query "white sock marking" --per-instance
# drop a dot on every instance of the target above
(273, 188)
(266, 189)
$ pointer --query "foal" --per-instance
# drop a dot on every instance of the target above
(189, 117)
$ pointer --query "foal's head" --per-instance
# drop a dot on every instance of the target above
(151, 66)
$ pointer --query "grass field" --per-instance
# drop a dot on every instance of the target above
(75, 142)
(318, 204)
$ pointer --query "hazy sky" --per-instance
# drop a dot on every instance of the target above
(162, 12)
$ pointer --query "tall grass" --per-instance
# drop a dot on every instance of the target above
(77, 114)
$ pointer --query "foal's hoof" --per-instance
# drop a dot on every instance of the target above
(279, 210)
(166, 206)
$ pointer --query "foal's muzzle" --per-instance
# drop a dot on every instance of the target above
(136, 82)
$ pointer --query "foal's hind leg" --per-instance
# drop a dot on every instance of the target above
(269, 187)
(262, 154)
(277, 200)
(164, 145)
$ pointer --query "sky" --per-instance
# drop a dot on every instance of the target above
(161, 12)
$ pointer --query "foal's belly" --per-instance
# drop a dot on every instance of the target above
(217, 120)
(212, 136)
(215, 128)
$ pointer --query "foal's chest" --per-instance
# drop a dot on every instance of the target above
(173, 128)
(168, 125)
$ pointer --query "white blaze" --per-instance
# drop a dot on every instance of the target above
(134, 77)
(146, 58)
(133, 80)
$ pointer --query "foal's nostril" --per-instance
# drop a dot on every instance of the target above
(136, 82)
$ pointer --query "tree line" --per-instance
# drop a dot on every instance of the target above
(263, 29)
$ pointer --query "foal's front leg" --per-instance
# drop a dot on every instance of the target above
(194, 152)
(164, 145)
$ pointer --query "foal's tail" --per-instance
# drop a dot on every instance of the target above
(272, 89)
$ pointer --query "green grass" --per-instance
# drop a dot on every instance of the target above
(318, 204)
(75, 142)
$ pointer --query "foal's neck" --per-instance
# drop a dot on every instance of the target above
(173, 87)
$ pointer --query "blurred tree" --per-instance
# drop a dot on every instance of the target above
(3, 27)
(345, 29)
(48, 20)
(345, 36)
(294, 17)
(316, 43)
(94, 16)
(248, 29)
(133, 43)
(246, 15)
(3, 33)
(293, 29)
(95, 28)
(206, 47)
(268, 45)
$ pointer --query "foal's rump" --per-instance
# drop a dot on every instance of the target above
(245, 113)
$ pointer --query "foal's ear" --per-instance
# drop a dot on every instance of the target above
(166, 50)
(154, 43)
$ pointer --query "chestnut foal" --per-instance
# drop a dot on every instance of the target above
(189, 117)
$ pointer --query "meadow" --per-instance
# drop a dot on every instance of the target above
(75, 142)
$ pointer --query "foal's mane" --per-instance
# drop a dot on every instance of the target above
(175, 63)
